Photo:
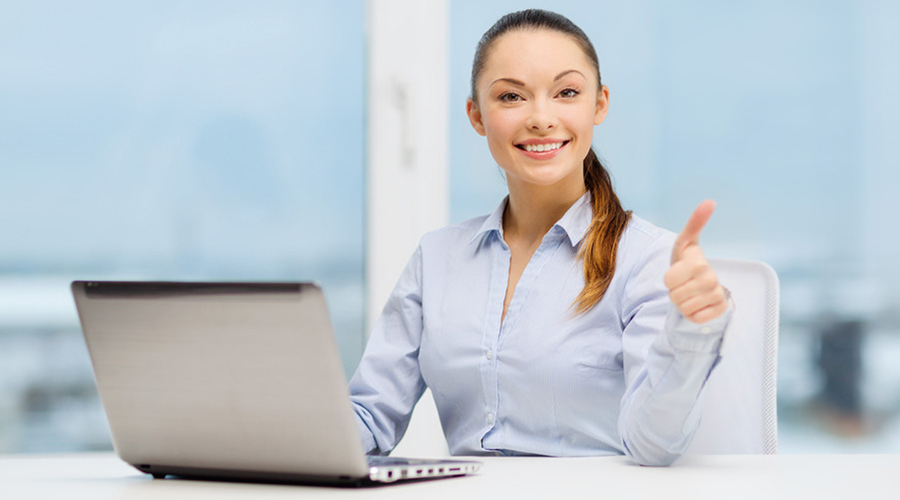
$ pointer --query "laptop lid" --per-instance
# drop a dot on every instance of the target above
(239, 377)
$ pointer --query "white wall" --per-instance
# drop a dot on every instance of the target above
(407, 184)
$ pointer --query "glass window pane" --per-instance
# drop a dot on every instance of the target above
(168, 140)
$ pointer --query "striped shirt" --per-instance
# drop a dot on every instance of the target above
(625, 377)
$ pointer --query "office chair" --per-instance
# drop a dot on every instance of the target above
(739, 413)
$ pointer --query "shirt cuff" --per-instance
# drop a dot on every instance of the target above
(368, 440)
(685, 335)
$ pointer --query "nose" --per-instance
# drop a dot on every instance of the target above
(542, 116)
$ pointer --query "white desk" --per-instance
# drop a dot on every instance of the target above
(103, 476)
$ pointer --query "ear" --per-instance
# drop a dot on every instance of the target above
(602, 105)
(474, 116)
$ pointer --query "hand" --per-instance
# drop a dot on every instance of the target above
(693, 285)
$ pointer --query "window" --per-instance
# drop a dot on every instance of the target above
(168, 140)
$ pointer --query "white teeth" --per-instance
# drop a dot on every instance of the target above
(543, 147)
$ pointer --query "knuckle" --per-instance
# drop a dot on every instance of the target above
(683, 299)
(673, 278)
(710, 280)
(669, 277)
(695, 253)
(700, 266)
(690, 307)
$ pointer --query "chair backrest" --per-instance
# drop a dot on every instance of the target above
(739, 412)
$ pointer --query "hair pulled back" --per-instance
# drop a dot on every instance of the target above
(600, 244)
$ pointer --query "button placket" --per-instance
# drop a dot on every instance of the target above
(492, 330)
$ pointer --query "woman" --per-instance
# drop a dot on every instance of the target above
(560, 324)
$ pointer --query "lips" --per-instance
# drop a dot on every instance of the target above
(545, 148)
(541, 145)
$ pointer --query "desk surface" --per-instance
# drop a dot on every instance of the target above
(102, 476)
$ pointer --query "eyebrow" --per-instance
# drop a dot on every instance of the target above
(522, 84)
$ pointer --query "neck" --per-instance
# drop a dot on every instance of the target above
(533, 210)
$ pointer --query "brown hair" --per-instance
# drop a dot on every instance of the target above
(601, 242)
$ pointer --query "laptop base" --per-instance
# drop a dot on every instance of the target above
(193, 473)
(227, 475)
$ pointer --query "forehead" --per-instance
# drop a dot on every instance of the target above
(535, 54)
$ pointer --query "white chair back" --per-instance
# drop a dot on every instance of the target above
(739, 410)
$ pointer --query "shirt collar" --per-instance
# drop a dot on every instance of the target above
(494, 222)
(575, 222)
(577, 219)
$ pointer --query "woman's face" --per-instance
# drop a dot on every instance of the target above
(537, 104)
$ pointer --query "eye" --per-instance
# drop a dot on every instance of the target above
(510, 97)
(568, 93)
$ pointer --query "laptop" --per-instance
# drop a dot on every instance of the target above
(237, 381)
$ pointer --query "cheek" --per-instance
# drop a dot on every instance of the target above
(582, 124)
(579, 118)
(499, 127)
(499, 132)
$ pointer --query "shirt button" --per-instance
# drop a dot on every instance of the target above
(489, 354)
(490, 418)
(705, 330)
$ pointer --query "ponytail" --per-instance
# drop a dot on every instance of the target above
(600, 244)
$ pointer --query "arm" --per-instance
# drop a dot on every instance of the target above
(660, 412)
(387, 383)
(667, 357)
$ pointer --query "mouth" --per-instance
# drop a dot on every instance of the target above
(542, 150)
(547, 147)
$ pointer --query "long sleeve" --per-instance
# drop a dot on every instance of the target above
(388, 382)
(626, 376)
(667, 361)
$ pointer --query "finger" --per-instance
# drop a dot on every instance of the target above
(690, 235)
(677, 275)
(696, 303)
(698, 219)
(691, 263)
(708, 314)
(703, 283)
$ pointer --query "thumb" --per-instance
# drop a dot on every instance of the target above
(690, 235)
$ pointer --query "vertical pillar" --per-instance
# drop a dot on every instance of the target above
(407, 160)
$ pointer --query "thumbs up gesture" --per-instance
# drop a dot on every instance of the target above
(693, 285)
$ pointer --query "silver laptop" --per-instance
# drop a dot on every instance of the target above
(230, 380)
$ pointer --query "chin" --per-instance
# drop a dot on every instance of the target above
(549, 175)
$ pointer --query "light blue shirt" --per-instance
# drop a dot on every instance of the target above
(625, 377)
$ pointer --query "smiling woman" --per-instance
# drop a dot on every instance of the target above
(551, 121)
(545, 328)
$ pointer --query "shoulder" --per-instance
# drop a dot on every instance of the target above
(452, 236)
(644, 254)
(642, 239)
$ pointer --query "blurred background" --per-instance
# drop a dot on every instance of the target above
(226, 140)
